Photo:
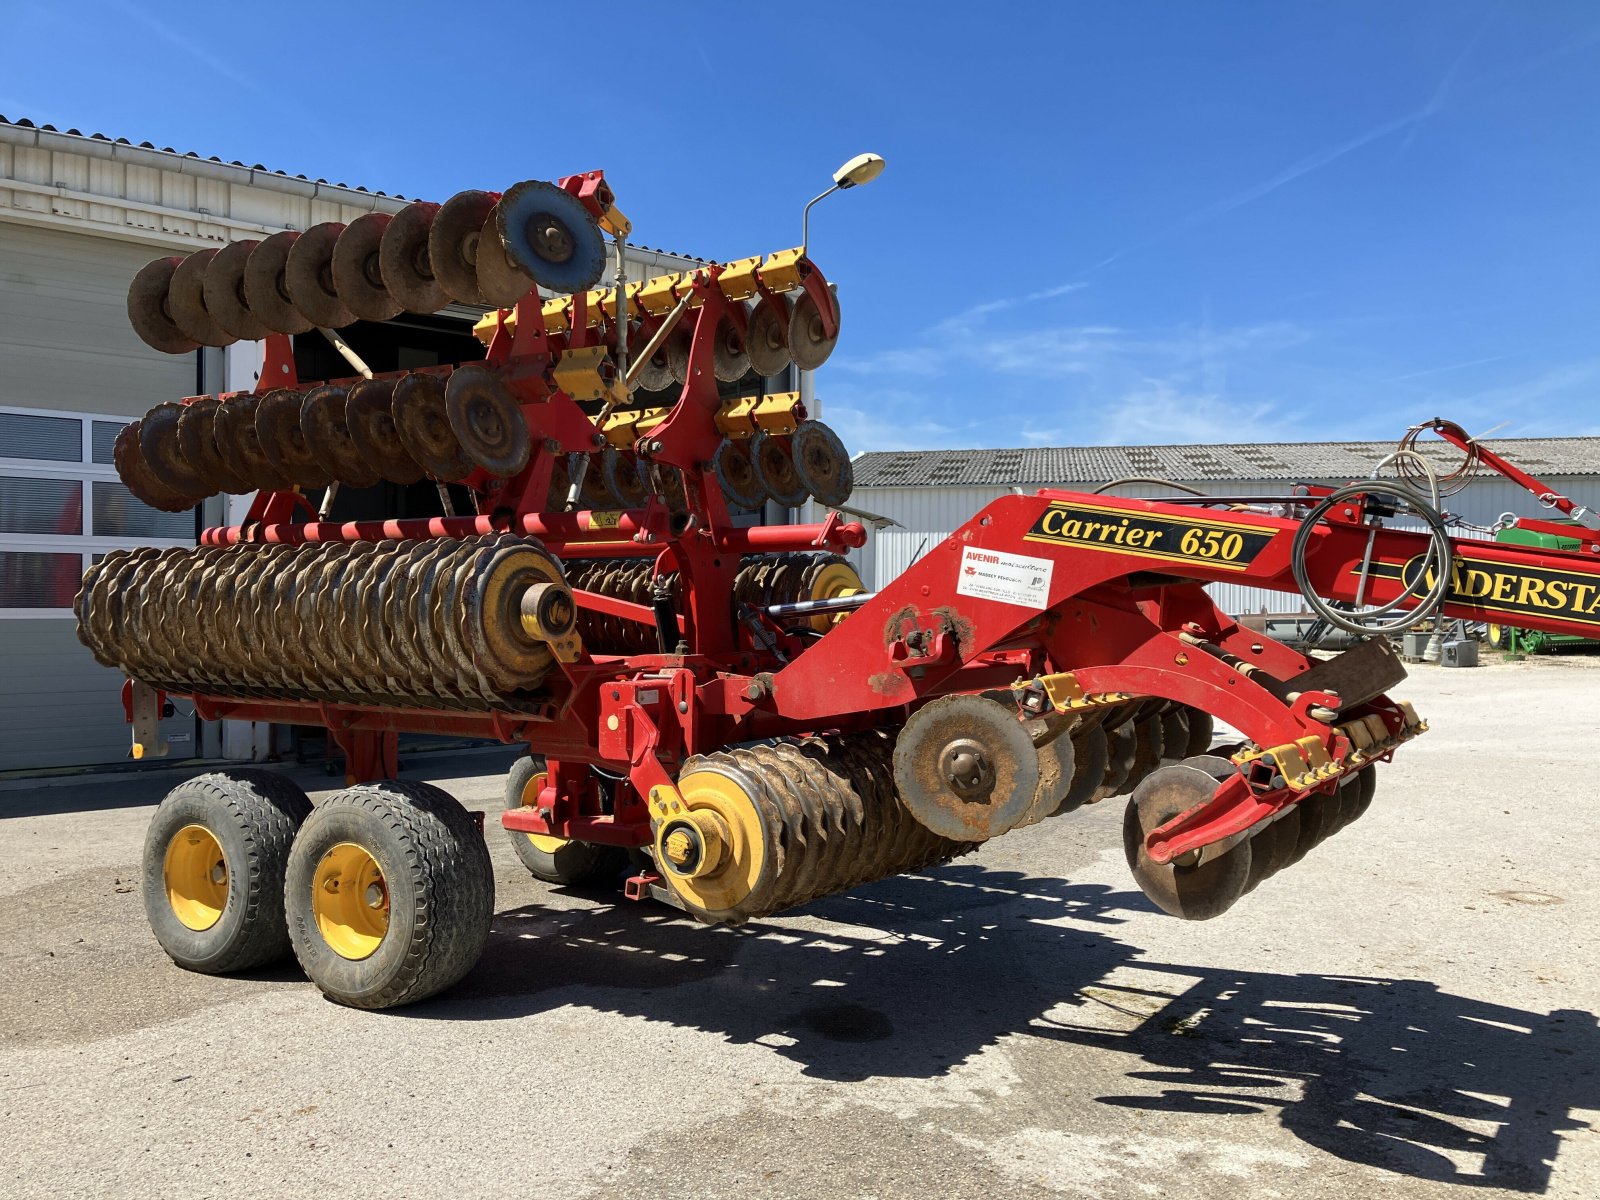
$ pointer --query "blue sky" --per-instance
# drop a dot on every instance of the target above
(1109, 222)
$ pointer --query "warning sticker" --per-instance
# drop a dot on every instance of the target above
(1012, 578)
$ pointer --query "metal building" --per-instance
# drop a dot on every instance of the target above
(931, 493)
(79, 215)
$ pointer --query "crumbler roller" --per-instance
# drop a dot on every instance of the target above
(719, 714)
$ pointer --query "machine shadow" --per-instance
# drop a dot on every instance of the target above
(916, 974)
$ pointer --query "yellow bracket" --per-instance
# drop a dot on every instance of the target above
(489, 324)
(1066, 694)
(577, 373)
(781, 272)
(1303, 763)
(599, 303)
(738, 279)
(683, 288)
(615, 223)
(656, 297)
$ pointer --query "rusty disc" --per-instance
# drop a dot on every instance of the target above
(1195, 892)
(487, 420)
(322, 420)
(422, 420)
(1146, 749)
(404, 262)
(265, 288)
(1120, 747)
(624, 482)
(657, 373)
(148, 312)
(283, 441)
(1201, 728)
(774, 464)
(1174, 733)
(1367, 779)
(197, 438)
(766, 338)
(1314, 825)
(369, 415)
(822, 463)
(549, 236)
(309, 277)
(1088, 768)
(357, 270)
(736, 474)
(186, 301)
(729, 360)
(501, 281)
(680, 342)
(807, 344)
(1057, 770)
(453, 244)
(965, 769)
(137, 477)
(235, 431)
(223, 289)
(158, 439)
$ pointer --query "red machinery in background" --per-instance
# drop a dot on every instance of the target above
(719, 713)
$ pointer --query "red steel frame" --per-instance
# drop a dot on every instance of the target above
(1116, 601)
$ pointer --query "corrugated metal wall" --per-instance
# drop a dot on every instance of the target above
(929, 514)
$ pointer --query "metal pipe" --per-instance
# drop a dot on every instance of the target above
(816, 608)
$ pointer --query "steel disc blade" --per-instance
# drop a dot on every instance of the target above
(238, 442)
(965, 769)
(453, 244)
(158, 439)
(736, 475)
(822, 463)
(1201, 728)
(186, 301)
(197, 438)
(404, 262)
(549, 234)
(223, 289)
(774, 465)
(1367, 779)
(369, 415)
(309, 277)
(767, 337)
(487, 420)
(729, 361)
(283, 441)
(623, 479)
(808, 346)
(357, 271)
(1089, 752)
(657, 373)
(422, 420)
(136, 476)
(1195, 893)
(1121, 746)
(596, 493)
(147, 308)
(327, 434)
(501, 281)
(265, 289)
(679, 343)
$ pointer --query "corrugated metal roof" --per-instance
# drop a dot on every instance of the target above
(1037, 466)
(25, 123)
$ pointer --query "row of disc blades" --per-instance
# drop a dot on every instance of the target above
(477, 248)
(1206, 888)
(763, 579)
(400, 430)
(778, 331)
(820, 816)
(428, 623)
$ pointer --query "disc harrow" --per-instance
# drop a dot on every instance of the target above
(717, 703)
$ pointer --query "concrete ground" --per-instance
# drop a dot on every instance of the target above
(1408, 1012)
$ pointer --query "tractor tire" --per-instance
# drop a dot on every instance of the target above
(214, 861)
(552, 859)
(389, 894)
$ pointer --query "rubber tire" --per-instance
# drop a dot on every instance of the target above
(253, 814)
(441, 892)
(576, 863)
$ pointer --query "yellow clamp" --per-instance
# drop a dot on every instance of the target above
(656, 297)
(1303, 763)
(1066, 694)
(738, 279)
(782, 271)
(578, 373)
(614, 222)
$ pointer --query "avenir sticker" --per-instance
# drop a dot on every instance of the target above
(1010, 578)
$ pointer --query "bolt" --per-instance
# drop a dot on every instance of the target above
(683, 706)
(597, 439)
(375, 895)
(219, 872)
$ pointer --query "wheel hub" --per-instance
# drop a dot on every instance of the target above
(350, 899)
(195, 873)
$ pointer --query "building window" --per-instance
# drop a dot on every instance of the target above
(62, 508)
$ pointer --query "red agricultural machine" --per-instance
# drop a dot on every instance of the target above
(719, 716)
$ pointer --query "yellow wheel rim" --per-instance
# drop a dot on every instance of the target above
(835, 579)
(196, 874)
(740, 858)
(1496, 636)
(350, 899)
(546, 842)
